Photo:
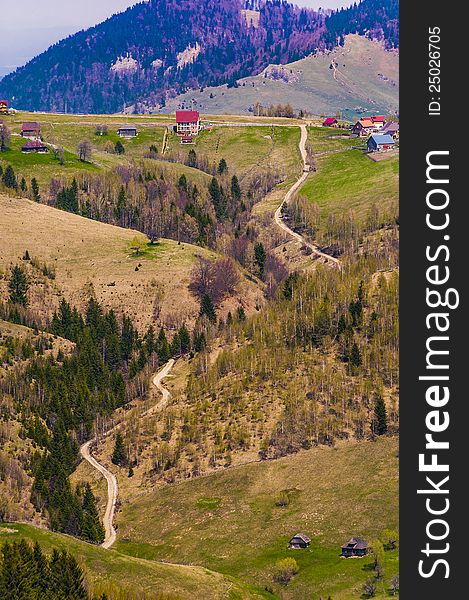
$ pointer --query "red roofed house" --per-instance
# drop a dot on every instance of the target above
(330, 122)
(363, 127)
(3, 106)
(187, 122)
(34, 146)
(31, 130)
(378, 121)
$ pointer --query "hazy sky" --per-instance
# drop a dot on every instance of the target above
(27, 27)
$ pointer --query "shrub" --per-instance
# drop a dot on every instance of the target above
(285, 570)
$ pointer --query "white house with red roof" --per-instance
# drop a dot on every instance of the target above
(187, 123)
(378, 121)
(3, 107)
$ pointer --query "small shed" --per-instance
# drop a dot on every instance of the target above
(31, 129)
(35, 146)
(127, 131)
(299, 542)
(330, 122)
(187, 139)
(380, 143)
(355, 547)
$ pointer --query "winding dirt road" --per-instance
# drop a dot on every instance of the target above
(289, 195)
(112, 487)
(112, 491)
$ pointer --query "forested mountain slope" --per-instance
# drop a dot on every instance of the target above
(160, 48)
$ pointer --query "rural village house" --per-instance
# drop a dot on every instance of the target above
(127, 131)
(355, 547)
(391, 128)
(380, 143)
(187, 124)
(363, 127)
(299, 541)
(35, 146)
(3, 107)
(31, 130)
(367, 125)
(330, 122)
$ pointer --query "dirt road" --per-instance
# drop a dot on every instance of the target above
(112, 487)
(289, 195)
(112, 491)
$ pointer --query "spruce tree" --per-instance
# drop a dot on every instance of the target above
(381, 417)
(9, 178)
(260, 258)
(162, 347)
(235, 188)
(18, 287)
(207, 308)
(119, 147)
(119, 456)
(222, 167)
(35, 190)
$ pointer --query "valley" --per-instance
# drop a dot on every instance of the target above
(215, 454)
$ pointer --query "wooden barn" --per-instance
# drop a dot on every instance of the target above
(380, 143)
(299, 542)
(187, 122)
(330, 122)
(127, 131)
(34, 146)
(355, 547)
(31, 130)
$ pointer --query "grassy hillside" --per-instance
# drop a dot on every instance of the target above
(90, 256)
(249, 149)
(349, 180)
(130, 578)
(230, 521)
(366, 79)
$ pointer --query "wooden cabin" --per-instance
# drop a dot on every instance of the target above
(31, 130)
(356, 546)
(127, 131)
(35, 146)
(299, 542)
(187, 122)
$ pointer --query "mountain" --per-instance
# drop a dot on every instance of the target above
(364, 78)
(160, 48)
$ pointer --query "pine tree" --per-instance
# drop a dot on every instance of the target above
(35, 190)
(163, 348)
(23, 186)
(381, 417)
(207, 308)
(355, 356)
(9, 178)
(217, 198)
(235, 188)
(119, 456)
(184, 340)
(119, 147)
(260, 257)
(92, 529)
(222, 167)
(18, 287)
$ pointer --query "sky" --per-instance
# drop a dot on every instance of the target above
(28, 27)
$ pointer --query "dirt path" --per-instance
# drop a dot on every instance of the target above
(112, 491)
(112, 487)
(289, 195)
